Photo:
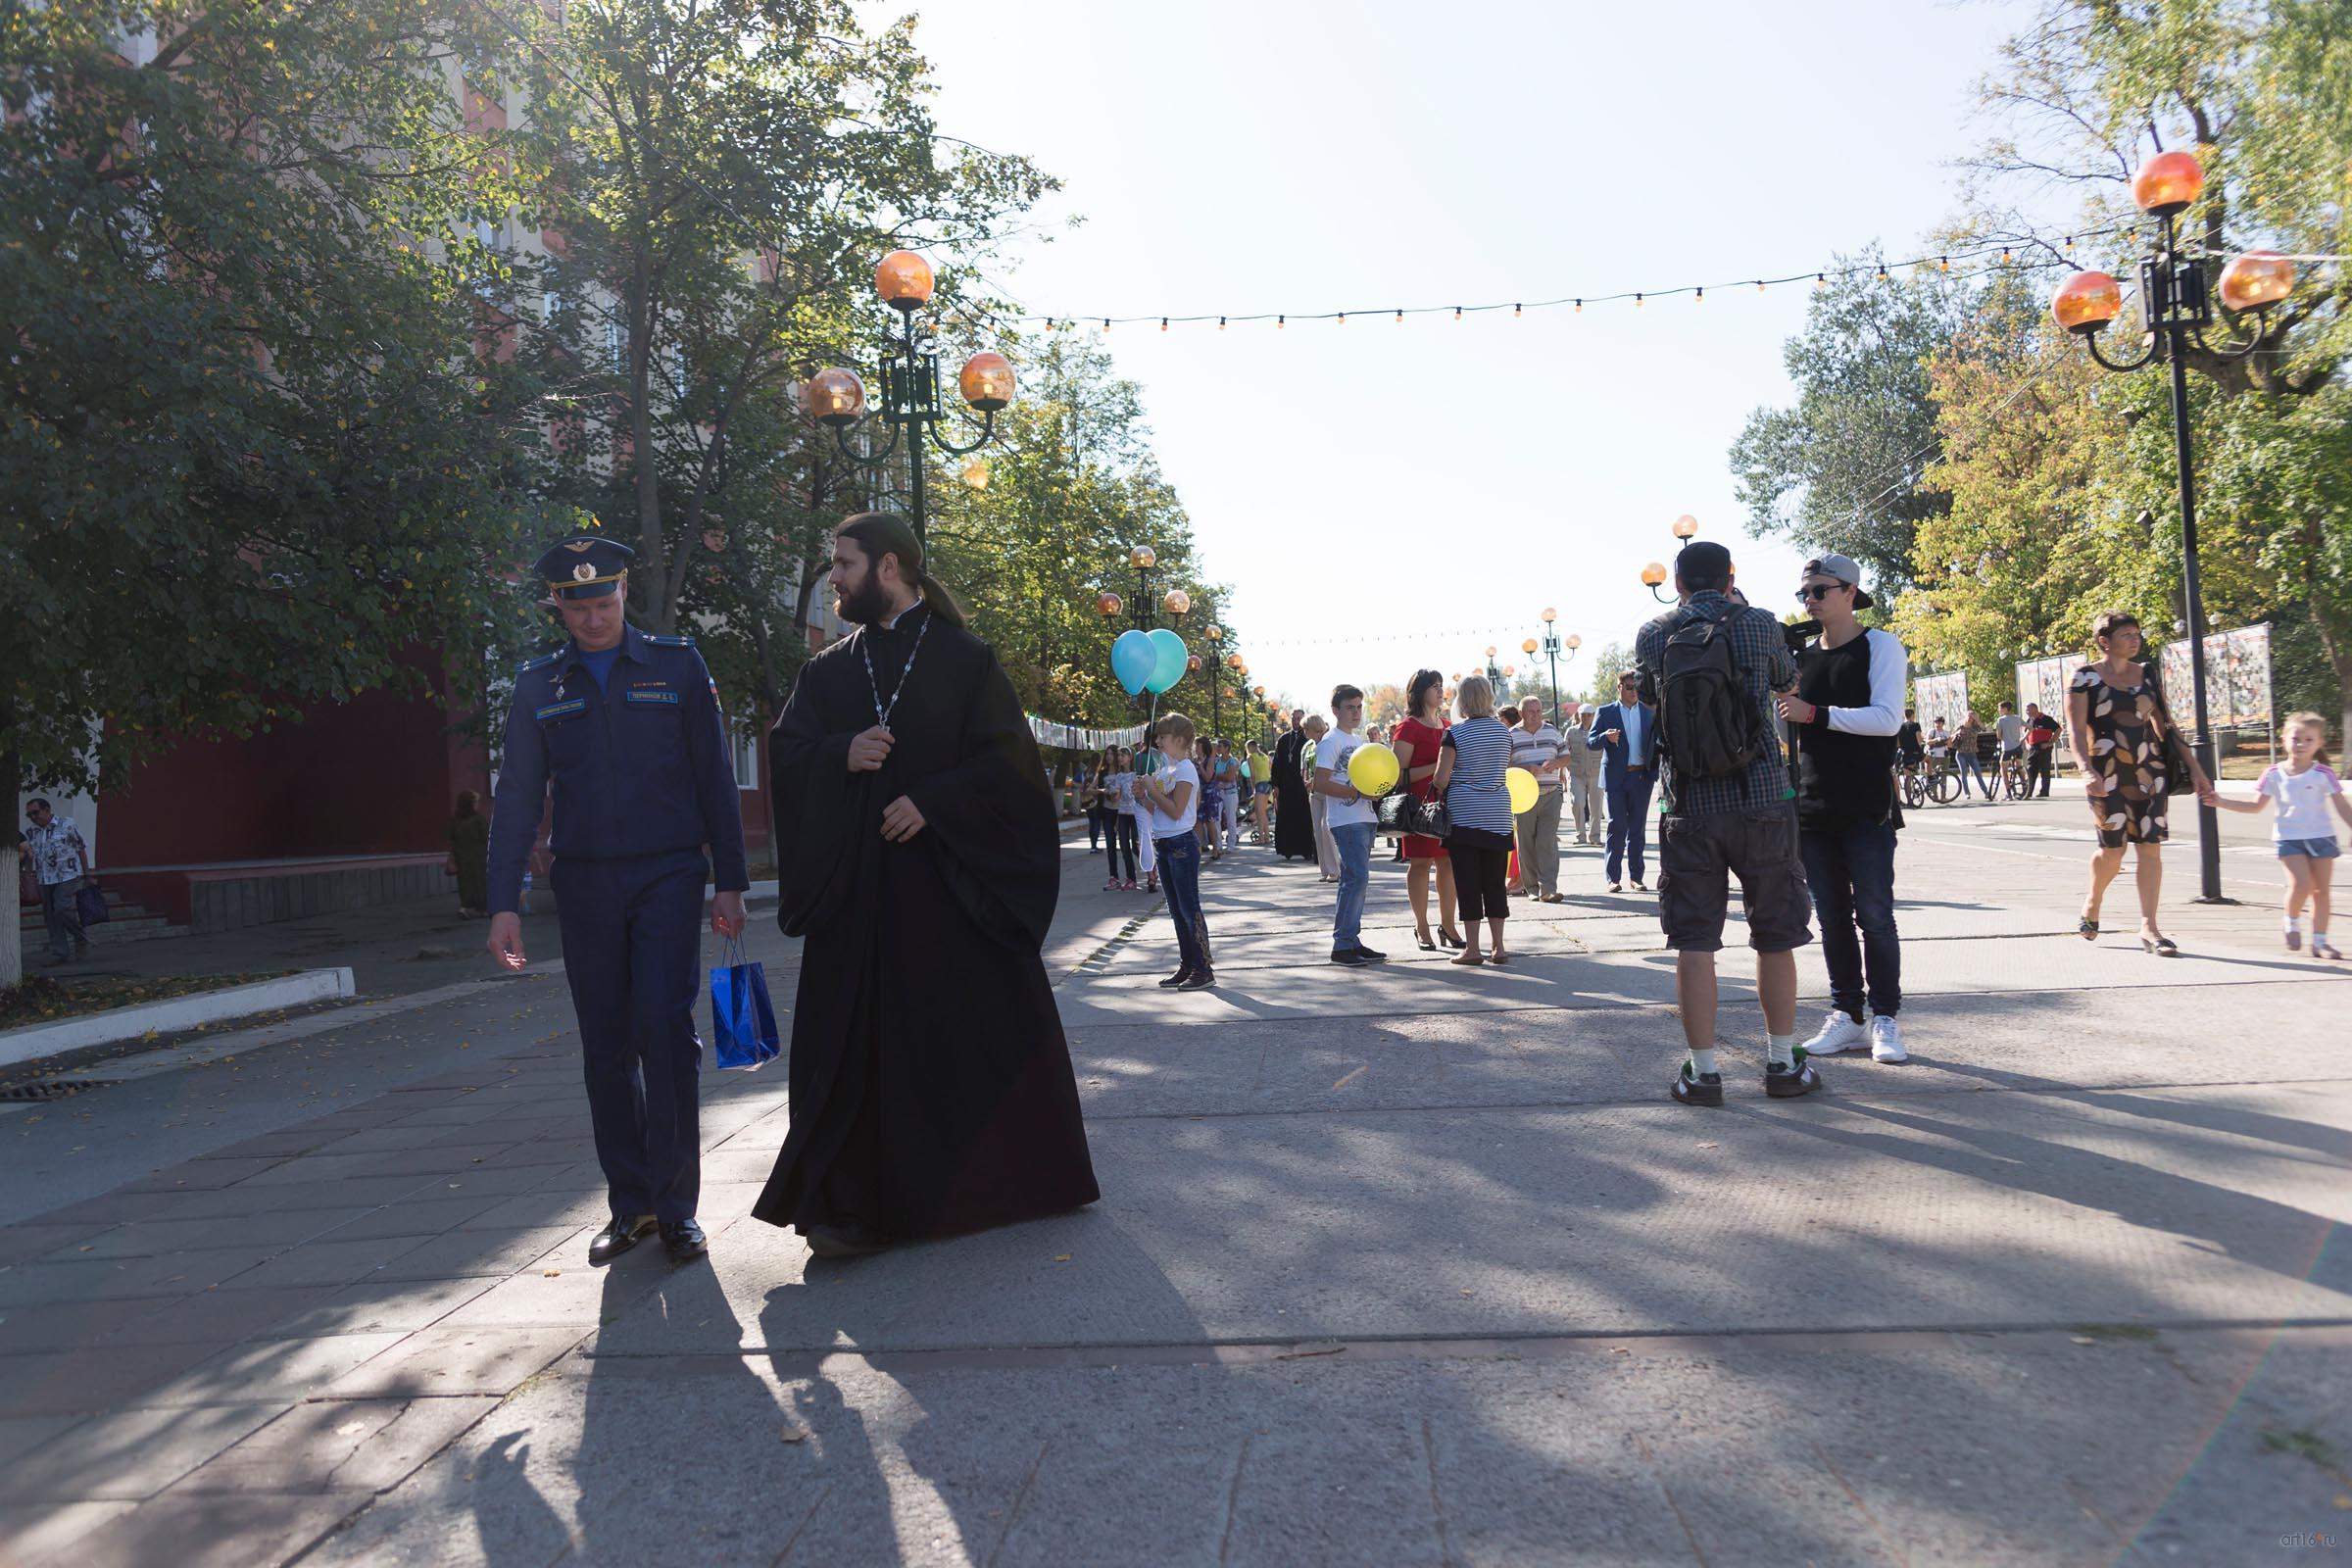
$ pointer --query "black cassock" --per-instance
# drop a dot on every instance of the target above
(931, 1085)
(1293, 825)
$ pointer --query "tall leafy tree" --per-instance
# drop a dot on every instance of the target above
(1071, 487)
(2261, 90)
(249, 447)
(1845, 468)
(720, 179)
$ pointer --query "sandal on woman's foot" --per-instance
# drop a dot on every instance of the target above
(2162, 946)
(1498, 956)
(1448, 938)
(1425, 942)
(2088, 928)
(1468, 960)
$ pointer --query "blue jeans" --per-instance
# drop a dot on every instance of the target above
(1628, 819)
(1851, 871)
(1354, 843)
(1179, 860)
(1969, 767)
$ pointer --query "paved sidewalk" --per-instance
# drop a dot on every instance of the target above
(1414, 1265)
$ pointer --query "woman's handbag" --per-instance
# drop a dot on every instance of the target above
(1402, 813)
(2180, 777)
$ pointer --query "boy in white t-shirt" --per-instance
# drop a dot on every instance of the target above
(1171, 801)
(1352, 821)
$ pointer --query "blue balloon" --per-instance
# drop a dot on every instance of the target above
(1134, 661)
(1172, 655)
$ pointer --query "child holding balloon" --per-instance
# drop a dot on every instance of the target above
(1172, 796)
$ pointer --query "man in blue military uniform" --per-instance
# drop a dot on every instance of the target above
(626, 727)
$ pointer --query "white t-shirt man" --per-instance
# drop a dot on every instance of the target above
(1171, 775)
(1331, 755)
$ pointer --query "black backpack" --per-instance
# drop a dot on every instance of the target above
(1708, 725)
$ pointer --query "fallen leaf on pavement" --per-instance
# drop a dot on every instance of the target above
(1061, 1257)
(792, 1433)
(549, 1273)
(2083, 1338)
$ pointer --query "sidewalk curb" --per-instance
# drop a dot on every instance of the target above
(172, 1014)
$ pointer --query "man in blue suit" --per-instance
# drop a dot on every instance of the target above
(1626, 734)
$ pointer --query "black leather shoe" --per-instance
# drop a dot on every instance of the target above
(625, 1231)
(683, 1240)
(842, 1241)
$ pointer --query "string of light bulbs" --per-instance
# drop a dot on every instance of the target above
(2003, 256)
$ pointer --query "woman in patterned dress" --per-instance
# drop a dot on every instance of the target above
(2117, 719)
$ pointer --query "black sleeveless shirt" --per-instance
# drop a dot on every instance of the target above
(1841, 779)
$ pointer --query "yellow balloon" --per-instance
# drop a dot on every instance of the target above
(1522, 785)
(1373, 770)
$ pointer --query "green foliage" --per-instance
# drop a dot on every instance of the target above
(248, 451)
(2262, 92)
(724, 176)
(1612, 660)
(1071, 487)
(1847, 469)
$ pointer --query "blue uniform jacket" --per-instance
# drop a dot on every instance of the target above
(640, 768)
(1614, 759)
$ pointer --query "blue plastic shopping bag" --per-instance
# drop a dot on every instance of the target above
(743, 1022)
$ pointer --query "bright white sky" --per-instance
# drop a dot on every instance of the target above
(1412, 480)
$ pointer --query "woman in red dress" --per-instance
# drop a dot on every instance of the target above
(1417, 743)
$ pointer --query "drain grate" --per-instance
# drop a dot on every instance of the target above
(53, 1089)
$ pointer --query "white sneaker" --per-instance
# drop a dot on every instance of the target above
(1886, 1040)
(1838, 1032)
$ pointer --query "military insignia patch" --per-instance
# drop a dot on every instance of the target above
(582, 572)
(578, 544)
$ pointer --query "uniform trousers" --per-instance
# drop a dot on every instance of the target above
(632, 953)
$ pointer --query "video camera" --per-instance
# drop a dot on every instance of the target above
(1799, 634)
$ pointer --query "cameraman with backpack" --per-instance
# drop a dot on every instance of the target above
(1712, 665)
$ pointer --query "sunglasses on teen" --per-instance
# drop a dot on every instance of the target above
(1813, 590)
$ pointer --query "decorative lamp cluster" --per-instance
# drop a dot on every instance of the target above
(2165, 186)
(837, 396)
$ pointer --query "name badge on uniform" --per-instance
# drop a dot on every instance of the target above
(578, 705)
(652, 694)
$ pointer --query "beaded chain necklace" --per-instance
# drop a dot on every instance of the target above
(881, 712)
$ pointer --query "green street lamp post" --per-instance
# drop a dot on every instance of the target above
(910, 402)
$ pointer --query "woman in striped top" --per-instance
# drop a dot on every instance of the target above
(1471, 763)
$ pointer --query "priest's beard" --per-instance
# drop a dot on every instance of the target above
(865, 605)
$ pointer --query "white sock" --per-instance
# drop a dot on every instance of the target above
(1781, 1050)
(2318, 938)
(1703, 1061)
(2291, 924)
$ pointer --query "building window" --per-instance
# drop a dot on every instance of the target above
(747, 760)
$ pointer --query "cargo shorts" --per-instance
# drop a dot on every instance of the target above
(1698, 855)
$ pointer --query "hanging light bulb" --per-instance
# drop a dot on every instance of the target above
(1699, 297)
(1342, 317)
(1220, 324)
(1280, 321)
(1821, 280)
(1107, 326)
(1399, 318)
(1515, 309)
(1164, 323)
(1457, 312)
